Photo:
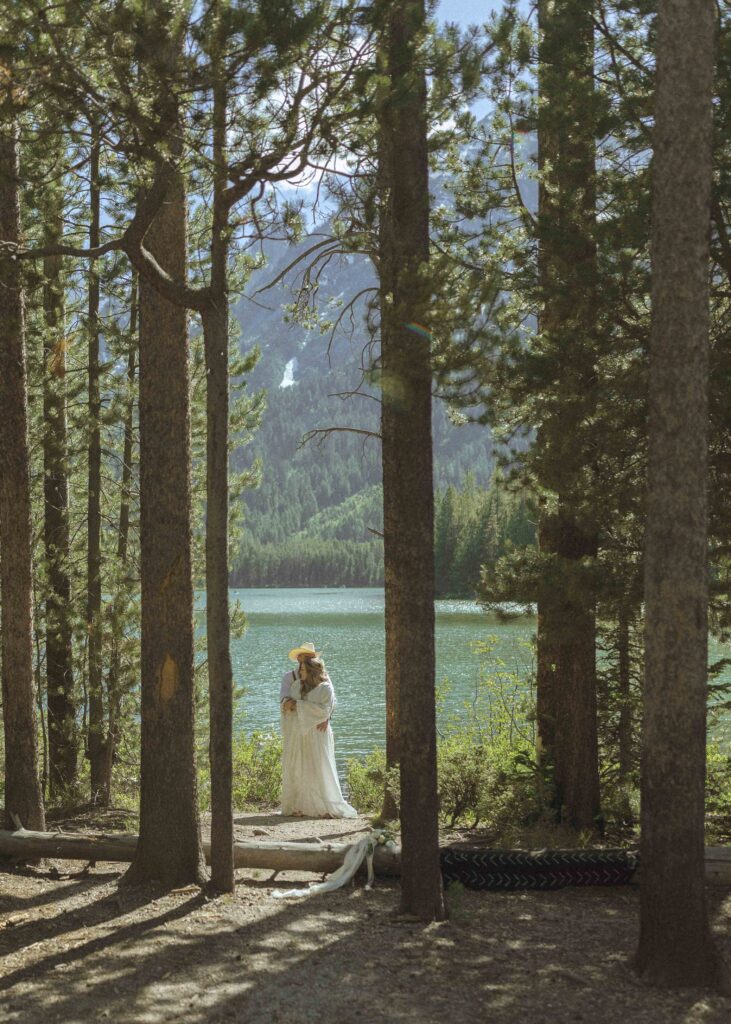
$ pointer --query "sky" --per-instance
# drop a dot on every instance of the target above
(466, 12)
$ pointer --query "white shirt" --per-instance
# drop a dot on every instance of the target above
(286, 683)
(287, 680)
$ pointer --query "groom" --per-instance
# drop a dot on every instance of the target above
(298, 654)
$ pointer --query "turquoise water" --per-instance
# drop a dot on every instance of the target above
(347, 626)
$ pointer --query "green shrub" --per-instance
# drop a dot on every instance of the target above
(464, 778)
(366, 780)
(718, 794)
(483, 783)
(485, 761)
(485, 772)
(257, 770)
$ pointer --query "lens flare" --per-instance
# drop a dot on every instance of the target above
(419, 329)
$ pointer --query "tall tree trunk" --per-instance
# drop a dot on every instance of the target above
(22, 789)
(220, 673)
(624, 675)
(114, 679)
(407, 458)
(675, 945)
(127, 454)
(59, 655)
(568, 325)
(576, 739)
(38, 678)
(169, 849)
(389, 809)
(96, 729)
(546, 697)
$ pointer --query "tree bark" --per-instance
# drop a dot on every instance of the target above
(567, 270)
(220, 673)
(127, 454)
(625, 695)
(59, 654)
(406, 390)
(546, 697)
(389, 809)
(169, 850)
(22, 788)
(576, 739)
(96, 741)
(114, 680)
(675, 944)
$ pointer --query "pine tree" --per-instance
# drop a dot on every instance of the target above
(169, 848)
(215, 330)
(62, 740)
(100, 779)
(675, 946)
(23, 798)
(408, 494)
(115, 688)
(445, 542)
(568, 328)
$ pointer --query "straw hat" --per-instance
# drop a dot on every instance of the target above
(308, 649)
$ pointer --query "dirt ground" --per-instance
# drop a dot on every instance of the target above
(78, 948)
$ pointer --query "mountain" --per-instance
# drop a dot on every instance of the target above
(328, 489)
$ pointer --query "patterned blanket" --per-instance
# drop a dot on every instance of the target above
(546, 869)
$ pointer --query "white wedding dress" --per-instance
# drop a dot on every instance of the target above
(310, 784)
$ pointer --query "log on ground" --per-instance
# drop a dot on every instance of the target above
(320, 858)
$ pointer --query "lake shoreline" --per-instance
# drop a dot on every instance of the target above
(346, 624)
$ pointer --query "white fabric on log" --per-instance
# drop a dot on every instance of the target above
(354, 857)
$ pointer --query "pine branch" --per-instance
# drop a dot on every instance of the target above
(321, 434)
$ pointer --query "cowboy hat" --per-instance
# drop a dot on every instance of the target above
(308, 649)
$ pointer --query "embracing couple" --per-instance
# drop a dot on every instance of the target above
(310, 785)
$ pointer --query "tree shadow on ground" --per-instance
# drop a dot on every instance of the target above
(132, 957)
(11, 902)
(539, 958)
(113, 904)
(89, 917)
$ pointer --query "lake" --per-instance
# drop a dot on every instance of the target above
(347, 626)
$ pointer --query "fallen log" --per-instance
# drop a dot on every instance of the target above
(718, 865)
(497, 869)
(319, 858)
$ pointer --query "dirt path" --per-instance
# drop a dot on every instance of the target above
(80, 949)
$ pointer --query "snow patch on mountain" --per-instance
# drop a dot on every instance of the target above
(289, 370)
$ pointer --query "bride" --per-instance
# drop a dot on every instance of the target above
(310, 783)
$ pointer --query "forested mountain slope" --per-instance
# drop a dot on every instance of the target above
(329, 488)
